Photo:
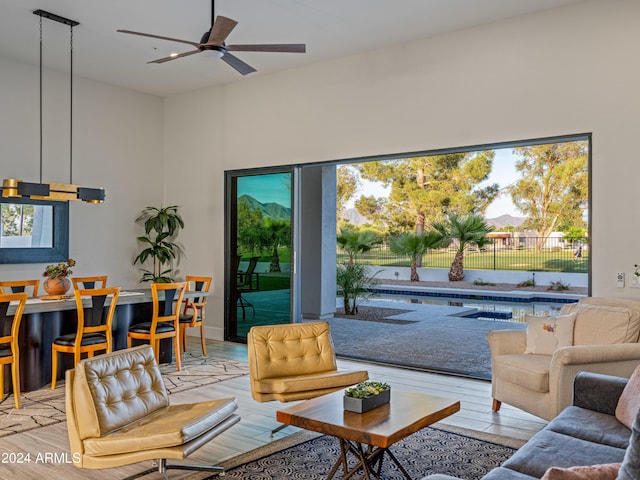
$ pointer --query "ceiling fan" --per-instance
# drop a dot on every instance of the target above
(213, 40)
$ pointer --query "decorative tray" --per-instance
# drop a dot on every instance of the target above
(55, 297)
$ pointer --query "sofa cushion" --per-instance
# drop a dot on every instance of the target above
(312, 381)
(117, 390)
(528, 370)
(629, 401)
(546, 334)
(591, 426)
(551, 449)
(502, 473)
(630, 468)
(166, 427)
(603, 324)
(603, 471)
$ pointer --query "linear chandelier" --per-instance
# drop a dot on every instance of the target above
(14, 188)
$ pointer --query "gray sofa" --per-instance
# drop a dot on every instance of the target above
(586, 433)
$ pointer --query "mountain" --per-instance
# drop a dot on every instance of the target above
(270, 209)
(503, 221)
(351, 215)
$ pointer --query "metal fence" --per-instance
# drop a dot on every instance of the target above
(551, 254)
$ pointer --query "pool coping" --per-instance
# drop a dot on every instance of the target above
(473, 294)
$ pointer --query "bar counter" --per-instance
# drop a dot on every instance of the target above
(45, 320)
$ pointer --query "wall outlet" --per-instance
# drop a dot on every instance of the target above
(635, 281)
(620, 279)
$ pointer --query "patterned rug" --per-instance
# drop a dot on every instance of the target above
(46, 407)
(310, 456)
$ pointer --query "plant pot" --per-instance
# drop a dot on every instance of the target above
(361, 405)
(56, 286)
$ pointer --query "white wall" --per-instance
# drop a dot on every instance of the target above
(564, 71)
(117, 136)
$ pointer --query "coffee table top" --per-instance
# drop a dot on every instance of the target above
(406, 413)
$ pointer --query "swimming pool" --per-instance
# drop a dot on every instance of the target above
(498, 306)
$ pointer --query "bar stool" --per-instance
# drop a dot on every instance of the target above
(9, 350)
(165, 321)
(94, 328)
(89, 282)
(193, 313)
(17, 286)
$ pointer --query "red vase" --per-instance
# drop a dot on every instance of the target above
(56, 286)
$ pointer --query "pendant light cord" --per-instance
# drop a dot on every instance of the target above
(71, 104)
(40, 99)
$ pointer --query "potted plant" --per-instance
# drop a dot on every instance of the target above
(57, 282)
(366, 396)
(161, 227)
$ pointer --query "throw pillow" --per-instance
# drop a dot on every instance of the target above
(546, 334)
(629, 402)
(630, 468)
(605, 471)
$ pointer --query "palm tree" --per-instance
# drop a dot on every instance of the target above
(414, 245)
(468, 231)
(276, 233)
(354, 242)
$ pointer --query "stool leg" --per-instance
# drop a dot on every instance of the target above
(54, 368)
(15, 374)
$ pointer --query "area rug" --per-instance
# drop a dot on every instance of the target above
(46, 407)
(310, 456)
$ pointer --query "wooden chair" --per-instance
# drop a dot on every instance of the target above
(89, 282)
(18, 286)
(165, 322)
(193, 312)
(9, 351)
(94, 328)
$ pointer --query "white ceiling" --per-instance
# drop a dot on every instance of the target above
(330, 29)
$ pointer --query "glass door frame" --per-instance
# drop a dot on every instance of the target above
(230, 234)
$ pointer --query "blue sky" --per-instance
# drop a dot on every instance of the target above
(273, 187)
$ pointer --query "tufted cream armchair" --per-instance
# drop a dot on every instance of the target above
(605, 340)
(118, 413)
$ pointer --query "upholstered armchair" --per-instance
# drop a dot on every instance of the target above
(604, 340)
(295, 361)
(118, 413)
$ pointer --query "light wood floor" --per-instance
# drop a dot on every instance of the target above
(258, 419)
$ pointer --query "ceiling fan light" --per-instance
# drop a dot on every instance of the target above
(213, 53)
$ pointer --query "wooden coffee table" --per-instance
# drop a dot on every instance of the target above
(368, 435)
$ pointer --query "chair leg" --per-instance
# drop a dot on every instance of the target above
(278, 428)
(54, 368)
(15, 377)
(176, 346)
(496, 405)
(202, 340)
(1, 381)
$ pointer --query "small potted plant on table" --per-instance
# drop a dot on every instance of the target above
(366, 396)
(57, 282)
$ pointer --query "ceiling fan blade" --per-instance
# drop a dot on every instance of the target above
(220, 30)
(238, 64)
(276, 47)
(174, 57)
(160, 37)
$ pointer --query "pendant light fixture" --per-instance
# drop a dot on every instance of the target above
(12, 187)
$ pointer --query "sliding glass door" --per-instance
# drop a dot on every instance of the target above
(259, 249)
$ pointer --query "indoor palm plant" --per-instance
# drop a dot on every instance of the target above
(161, 227)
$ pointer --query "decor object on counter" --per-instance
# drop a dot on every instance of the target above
(366, 396)
(161, 227)
(57, 282)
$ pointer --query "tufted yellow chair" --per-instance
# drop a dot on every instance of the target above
(295, 361)
(118, 413)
